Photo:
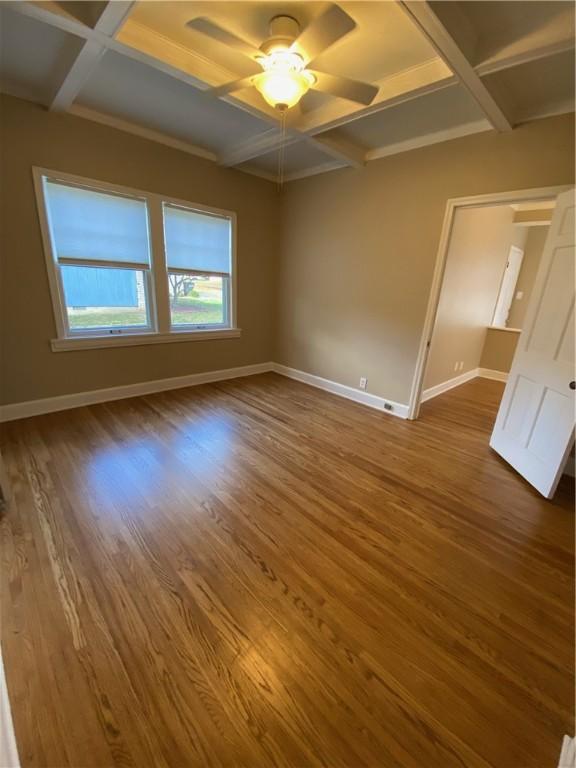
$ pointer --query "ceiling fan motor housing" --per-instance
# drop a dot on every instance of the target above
(283, 31)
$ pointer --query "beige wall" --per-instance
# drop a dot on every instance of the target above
(499, 348)
(476, 259)
(533, 247)
(359, 248)
(33, 136)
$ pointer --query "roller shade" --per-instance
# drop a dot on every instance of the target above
(95, 226)
(196, 241)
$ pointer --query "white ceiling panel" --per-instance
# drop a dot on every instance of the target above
(382, 28)
(32, 56)
(144, 76)
(496, 29)
(134, 92)
(539, 88)
(436, 112)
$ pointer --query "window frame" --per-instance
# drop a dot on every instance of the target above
(160, 329)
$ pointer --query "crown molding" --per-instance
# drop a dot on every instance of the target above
(139, 130)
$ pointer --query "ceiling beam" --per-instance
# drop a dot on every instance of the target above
(435, 137)
(261, 144)
(139, 130)
(89, 55)
(141, 44)
(431, 75)
(50, 14)
(430, 25)
(330, 165)
(198, 72)
(340, 149)
(113, 16)
(144, 41)
(403, 86)
(77, 74)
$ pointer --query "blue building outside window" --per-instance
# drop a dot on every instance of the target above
(94, 287)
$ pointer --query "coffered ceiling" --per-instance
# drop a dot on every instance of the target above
(443, 69)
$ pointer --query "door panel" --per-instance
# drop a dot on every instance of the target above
(520, 404)
(535, 424)
(556, 301)
(566, 345)
(554, 411)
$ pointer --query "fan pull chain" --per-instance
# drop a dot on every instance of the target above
(282, 149)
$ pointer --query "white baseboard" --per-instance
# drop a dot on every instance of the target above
(8, 751)
(444, 386)
(359, 396)
(64, 402)
(488, 373)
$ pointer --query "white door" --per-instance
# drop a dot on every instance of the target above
(508, 286)
(535, 424)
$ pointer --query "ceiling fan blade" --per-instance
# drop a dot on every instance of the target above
(221, 35)
(353, 90)
(235, 85)
(322, 32)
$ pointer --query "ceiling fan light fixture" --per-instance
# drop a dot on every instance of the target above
(284, 80)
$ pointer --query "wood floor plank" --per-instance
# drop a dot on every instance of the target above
(255, 573)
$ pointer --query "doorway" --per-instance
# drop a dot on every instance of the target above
(491, 263)
(487, 265)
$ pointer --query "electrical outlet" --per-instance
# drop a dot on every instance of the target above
(363, 382)
(519, 295)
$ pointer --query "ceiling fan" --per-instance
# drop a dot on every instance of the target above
(284, 57)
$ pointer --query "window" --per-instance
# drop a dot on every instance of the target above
(104, 299)
(198, 263)
(130, 267)
(100, 246)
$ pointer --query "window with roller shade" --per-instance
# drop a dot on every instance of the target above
(101, 249)
(198, 263)
(125, 262)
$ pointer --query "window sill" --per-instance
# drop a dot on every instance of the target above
(139, 339)
(503, 328)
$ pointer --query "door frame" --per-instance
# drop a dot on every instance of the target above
(452, 205)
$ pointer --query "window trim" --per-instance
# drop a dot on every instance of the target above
(160, 329)
(140, 339)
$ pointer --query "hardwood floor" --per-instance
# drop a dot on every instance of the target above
(256, 573)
